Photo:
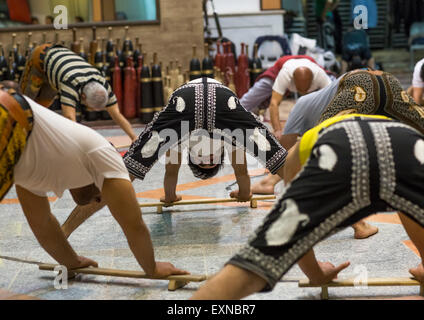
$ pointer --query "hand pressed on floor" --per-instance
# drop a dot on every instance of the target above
(241, 196)
(85, 263)
(165, 269)
(418, 273)
(169, 200)
(328, 272)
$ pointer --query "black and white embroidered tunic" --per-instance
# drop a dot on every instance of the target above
(356, 168)
(203, 104)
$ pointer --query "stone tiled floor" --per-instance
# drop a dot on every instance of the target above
(199, 238)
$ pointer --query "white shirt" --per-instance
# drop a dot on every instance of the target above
(284, 80)
(417, 82)
(61, 154)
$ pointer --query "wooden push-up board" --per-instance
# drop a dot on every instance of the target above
(160, 205)
(371, 282)
(175, 282)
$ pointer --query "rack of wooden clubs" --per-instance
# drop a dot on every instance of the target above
(138, 86)
(141, 88)
(238, 73)
(13, 59)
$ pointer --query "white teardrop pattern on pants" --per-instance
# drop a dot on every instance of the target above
(327, 158)
(283, 229)
(232, 103)
(419, 151)
(260, 140)
(152, 145)
(180, 104)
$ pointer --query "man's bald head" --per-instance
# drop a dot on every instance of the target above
(302, 78)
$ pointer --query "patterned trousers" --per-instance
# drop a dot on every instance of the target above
(375, 93)
(357, 167)
(213, 108)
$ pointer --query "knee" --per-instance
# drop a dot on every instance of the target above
(85, 195)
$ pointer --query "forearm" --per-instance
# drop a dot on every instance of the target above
(123, 123)
(292, 166)
(239, 164)
(69, 112)
(170, 185)
(172, 168)
(140, 243)
(309, 265)
(122, 202)
(229, 284)
(46, 228)
(243, 181)
(53, 241)
(126, 126)
(275, 116)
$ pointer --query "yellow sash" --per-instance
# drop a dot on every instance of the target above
(310, 137)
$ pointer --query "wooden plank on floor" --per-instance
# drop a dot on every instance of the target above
(126, 273)
(371, 282)
(161, 205)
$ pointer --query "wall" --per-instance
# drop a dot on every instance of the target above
(244, 21)
(39, 8)
(248, 27)
(137, 9)
(234, 6)
(181, 27)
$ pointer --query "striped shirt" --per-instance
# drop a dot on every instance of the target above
(68, 73)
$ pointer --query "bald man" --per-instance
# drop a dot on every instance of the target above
(368, 91)
(298, 74)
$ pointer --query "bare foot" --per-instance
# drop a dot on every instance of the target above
(364, 230)
(266, 185)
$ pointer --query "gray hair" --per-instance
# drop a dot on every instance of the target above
(96, 95)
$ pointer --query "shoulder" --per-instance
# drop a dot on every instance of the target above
(284, 74)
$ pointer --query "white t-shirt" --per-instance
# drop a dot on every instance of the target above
(417, 82)
(284, 80)
(61, 155)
